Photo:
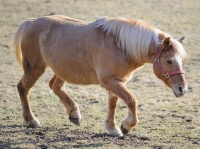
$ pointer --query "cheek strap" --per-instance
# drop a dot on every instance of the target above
(166, 74)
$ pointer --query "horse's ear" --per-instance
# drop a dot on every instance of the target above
(181, 39)
(167, 42)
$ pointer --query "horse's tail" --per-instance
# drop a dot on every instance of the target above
(17, 40)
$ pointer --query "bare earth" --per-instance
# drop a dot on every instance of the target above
(165, 121)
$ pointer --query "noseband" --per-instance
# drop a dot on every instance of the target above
(166, 74)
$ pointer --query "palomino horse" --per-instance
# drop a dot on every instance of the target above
(105, 52)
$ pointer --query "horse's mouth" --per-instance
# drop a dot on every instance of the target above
(179, 94)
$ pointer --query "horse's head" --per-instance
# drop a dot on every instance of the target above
(168, 65)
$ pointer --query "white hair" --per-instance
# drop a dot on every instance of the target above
(177, 46)
(134, 37)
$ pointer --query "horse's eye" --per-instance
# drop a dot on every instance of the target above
(169, 62)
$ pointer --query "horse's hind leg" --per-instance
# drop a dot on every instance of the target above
(110, 123)
(31, 74)
(58, 86)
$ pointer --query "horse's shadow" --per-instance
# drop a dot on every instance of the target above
(72, 138)
(90, 145)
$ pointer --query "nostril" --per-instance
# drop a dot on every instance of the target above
(180, 89)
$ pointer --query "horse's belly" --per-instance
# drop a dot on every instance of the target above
(79, 78)
(75, 73)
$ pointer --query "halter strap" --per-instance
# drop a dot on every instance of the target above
(166, 74)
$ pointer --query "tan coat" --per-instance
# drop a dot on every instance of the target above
(105, 52)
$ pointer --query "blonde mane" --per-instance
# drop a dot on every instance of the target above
(134, 37)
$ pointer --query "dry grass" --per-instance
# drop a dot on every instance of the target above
(165, 121)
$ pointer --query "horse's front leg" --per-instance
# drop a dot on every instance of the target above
(58, 86)
(118, 88)
(110, 123)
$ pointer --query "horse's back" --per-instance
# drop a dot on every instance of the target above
(77, 51)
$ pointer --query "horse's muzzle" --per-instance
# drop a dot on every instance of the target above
(179, 90)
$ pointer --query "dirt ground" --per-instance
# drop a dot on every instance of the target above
(166, 122)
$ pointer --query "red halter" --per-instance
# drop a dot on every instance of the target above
(166, 74)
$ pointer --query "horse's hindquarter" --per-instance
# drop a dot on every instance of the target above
(65, 48)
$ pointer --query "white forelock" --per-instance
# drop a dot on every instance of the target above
(177, 46)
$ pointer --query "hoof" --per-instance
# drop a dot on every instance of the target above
(33, 123)
(76, 121)
(124, 131)
(112, 128)
(117, 134)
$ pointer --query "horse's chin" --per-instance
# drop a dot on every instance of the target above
(179, 94)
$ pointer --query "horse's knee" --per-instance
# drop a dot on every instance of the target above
(131, 102)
